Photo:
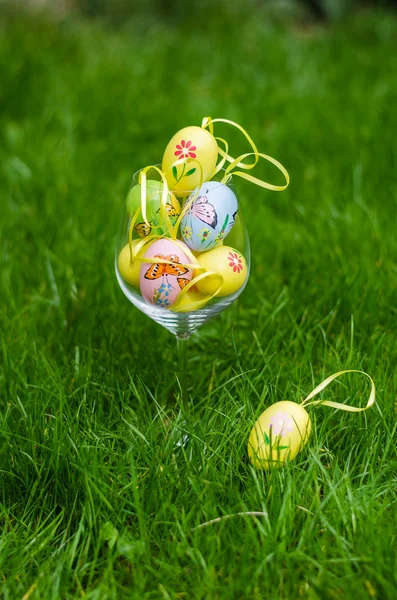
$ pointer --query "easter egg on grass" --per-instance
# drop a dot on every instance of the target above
(278, 435)
(161, 283)
(227, 262)
(155, 217)
(210, 217)
(130, 272)
(189, 143)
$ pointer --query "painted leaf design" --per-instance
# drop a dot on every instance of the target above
(266, 438)
(225, 223)
(281, 447)
(175, 172)
(190, 172)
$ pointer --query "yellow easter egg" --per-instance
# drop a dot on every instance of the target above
(278, 435)
(129, 272)
(192, 300)
(229, 263)
(190, 143)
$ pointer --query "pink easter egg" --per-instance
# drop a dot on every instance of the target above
(162, 283)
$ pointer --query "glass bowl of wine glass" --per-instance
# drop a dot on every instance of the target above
(183, 265)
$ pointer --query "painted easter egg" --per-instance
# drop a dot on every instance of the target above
(210, 217)
(155, 217)
(130, 272)
(278, 435)
(189, 143)
(227, 262)
(161, 283)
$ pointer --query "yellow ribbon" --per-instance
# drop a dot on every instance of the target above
(142, 178)
(199, 303)
(130, 230)
(221, 163)
(134, 251)
(238, 162)
(209, 122)
(346, 407)
(275, 188)
(142, 181)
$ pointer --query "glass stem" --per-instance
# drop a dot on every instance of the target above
(182, 341)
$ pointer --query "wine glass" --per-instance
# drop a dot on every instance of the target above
(201, 301)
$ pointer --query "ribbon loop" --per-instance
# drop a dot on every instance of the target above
(134, 250)
(176, 307)
(221, 163)
(276, 188)
(238, 162)
(142, 181)
(346, 407)
(208, 122)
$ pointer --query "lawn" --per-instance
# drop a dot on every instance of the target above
(98, 501)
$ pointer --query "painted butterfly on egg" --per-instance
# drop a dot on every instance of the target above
(204, 210)
(143, 229)
(210, 217)
(157, 270)
(168, 273)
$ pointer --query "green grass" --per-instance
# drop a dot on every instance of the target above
(97, 501)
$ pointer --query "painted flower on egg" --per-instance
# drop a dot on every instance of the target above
(281, 423)
(235, 262)
(160, 296)
(187, 232)
(187, 145)
(204, 233)
(185, 150)
(164, 288)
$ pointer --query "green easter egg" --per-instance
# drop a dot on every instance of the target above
(157, 223)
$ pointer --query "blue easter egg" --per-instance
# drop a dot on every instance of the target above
(210, 217)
